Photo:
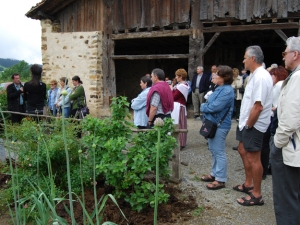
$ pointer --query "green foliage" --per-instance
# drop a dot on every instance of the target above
(3, 99)
(127, 171)
(37, 142)
(21, 68)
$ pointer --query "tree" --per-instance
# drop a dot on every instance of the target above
(21, 68)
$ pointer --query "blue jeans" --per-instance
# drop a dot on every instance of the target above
(286, 188)
(217, 147)
(67, 111)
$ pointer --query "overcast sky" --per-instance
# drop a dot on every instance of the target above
(20, 36)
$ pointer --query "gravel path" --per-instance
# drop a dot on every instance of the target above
(220, 206)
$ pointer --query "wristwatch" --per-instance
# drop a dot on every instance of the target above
(247, 127)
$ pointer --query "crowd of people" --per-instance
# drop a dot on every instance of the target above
(32, 97)
(265, 103)
(266, 106)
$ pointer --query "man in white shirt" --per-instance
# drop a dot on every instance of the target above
(285, 144)
(254, 120)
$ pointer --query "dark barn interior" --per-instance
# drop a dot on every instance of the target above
(129, 72)
(228, 49)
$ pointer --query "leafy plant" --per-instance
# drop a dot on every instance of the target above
(128, 171)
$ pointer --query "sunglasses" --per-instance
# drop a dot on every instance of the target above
(285, 53)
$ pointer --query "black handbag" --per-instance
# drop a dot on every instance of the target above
(209, 128)
(83, 110)
(242, 90)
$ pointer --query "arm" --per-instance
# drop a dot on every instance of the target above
(219, 103)
(288, 114)
(152, 113)
(12, 93)
(155, 99)
(78, 92)
(139, 102)
(254, 114)
(239, 82)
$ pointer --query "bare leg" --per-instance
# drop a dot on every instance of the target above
(247, 166)
(257, 170)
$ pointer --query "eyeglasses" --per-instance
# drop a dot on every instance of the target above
(52, 84)
(285, 53)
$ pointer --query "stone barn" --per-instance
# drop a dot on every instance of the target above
(111, 44)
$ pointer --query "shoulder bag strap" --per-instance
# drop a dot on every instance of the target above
(221, 121)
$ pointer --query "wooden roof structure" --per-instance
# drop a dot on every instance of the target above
(196, 24)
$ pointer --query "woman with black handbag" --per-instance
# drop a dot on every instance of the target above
(77, 96)
(218, 110)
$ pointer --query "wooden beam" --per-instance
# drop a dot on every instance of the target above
(299, 29)
(161, 56)
(211, 41)
(153, 34)
(273, 26)
(281, 34)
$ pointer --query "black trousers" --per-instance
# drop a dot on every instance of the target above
(15, 118)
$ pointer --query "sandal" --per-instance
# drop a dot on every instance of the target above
(216, 185)
(244, 189)
(252, 201)
(208, 178)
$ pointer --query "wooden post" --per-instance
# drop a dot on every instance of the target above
(195, 40)
(176, 168)
(299, 29)
(211, 41)
(281, 34)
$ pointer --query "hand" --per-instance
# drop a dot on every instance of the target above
(21, 89)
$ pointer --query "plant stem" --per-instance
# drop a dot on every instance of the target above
(68, 164)
(94, 180)
(157, 177)
(82, 190)
(11, 170)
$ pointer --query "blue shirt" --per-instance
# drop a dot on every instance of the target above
(138, 104)
(217, 105)
(21, 97)
(52, 97)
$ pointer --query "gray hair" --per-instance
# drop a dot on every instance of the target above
(256, 51)
(293, 43)
(200, 67)
(274, 65)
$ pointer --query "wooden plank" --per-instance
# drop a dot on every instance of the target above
(164, 33)
(282, 35)
(211, 41)
(299, 29)
(176, 168)
(203, 10)
(273, 26)
(195, 37)
(161, 56)
(282, 9)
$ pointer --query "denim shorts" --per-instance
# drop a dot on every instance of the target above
(251, 138)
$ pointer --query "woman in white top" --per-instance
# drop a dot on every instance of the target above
(278, 76)
(237, 84)
(59, 100)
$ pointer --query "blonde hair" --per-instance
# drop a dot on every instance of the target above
(181, 73)
(53, 81)
(236, 71)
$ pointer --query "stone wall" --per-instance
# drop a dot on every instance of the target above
(70, 54)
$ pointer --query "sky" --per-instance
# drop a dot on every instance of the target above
(20, 36)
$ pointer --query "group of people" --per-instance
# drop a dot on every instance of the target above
(32, 96)
(268, 129)
(268, 115)
(160, 99)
